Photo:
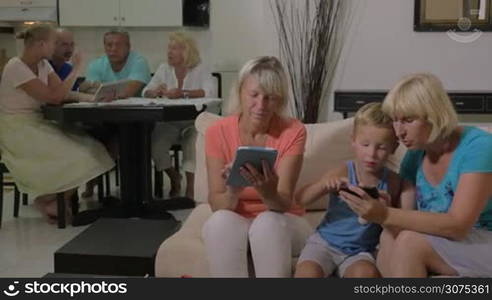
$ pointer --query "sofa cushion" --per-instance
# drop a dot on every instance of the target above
(184, 253)
(327, 146)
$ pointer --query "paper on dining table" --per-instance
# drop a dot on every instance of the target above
(198, 102)
(212, 103)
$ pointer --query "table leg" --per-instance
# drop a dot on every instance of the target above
(135, 179)
(136, 184)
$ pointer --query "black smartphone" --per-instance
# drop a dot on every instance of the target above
(371, 191)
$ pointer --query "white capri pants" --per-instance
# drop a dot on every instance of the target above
(165, 135)
(273, 239)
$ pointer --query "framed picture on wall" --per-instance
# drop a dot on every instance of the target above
(459, 15)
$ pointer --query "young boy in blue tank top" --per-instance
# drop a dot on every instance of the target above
(343, 242)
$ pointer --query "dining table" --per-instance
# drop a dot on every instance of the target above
(134, 119)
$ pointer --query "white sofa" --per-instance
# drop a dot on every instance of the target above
(328, 145)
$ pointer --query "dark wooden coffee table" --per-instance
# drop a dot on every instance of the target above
(120, 247)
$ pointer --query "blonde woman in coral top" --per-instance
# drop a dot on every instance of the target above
(262, 216)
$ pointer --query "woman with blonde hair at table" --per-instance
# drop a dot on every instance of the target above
(183, 76)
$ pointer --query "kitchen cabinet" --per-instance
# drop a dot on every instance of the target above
(89, 12)
(28, 3)
(151, 13)
(126, 13)
(28, 10)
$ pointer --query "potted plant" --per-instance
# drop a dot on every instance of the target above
(311, 36)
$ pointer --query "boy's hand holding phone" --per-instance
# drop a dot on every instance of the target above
(333, 185)
(368, 208)
(373, 192)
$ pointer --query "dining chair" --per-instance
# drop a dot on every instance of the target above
(17, 197)
(176, 149)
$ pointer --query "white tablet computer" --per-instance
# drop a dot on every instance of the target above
(254, 156)
(111, 90)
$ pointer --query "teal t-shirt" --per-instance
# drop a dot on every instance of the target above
(136, 68)
(473, 155)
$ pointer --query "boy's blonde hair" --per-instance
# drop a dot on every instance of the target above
(191, 55)
(271, 77)
(422, 96)
(372, 114)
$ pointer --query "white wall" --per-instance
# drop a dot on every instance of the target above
(237, 32)
(240, 30)
(6, 42)
(383, 46)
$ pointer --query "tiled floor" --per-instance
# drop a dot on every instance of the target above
(27, 243)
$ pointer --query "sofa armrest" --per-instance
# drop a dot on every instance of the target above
(184, 252)
(181, 255)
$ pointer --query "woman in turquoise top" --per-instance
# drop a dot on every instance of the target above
(450, 232)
